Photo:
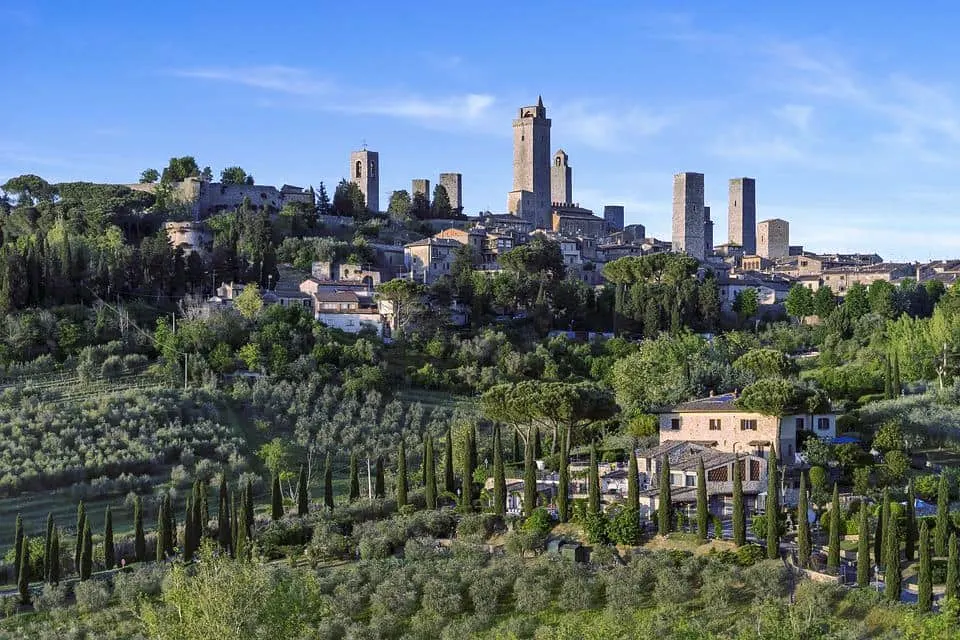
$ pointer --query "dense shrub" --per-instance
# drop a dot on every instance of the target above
(92, 595)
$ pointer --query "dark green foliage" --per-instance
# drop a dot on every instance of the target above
(162, 521)
(625, 527)
(379, 486)
(276, 499)
(665, 508)
(593, 499)
(81, 522)
(887, 379)
(204, 508)
(739, 509)
(895, 371)
(430, 469)
(953, 568)
(23, 573)
(86, 553)
(248, 509)
(109, 551)
(943, 517)
(925, 573)
(242, 537)
(402, 486)
(449, 483)
(139, 540)
(833, 551)
(48, 538)
(53, 568)
(633, 481)
(499, 475)
(563, 481)
(880, 530)
(223, 514)
(529, 477)
(773, 507)
(18, 545)
(188, 534)
(170, 528)
(537, 445)
(354, 478)
(910, 535)
(466, 484)
(891, 566)
(803, 525)
(328, 483)
(517, 455)
(863, 548)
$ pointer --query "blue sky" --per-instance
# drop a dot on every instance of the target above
(847, 116)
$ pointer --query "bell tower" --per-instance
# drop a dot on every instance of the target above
(365, 173)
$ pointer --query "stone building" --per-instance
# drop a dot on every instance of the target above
(613, 215)
(561, 179)
(453, 183)
(189, 236)
(204, 199)
(429, 259)
(688, 215)
(571, 220)
(839, 279)
(707, 231)
(530, 197)
(773, 238)
(421, 186)
(742, 214)
(365, 173)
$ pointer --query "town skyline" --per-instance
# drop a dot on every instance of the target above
(853, 149)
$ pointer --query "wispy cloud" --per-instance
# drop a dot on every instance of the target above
(795, 115)
(271, 77)
(607, 128)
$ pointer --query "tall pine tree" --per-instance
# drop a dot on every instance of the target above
(139, 540)
(593, 495)
(53, 567)
(633, 481)
(529, 476)
(248, 509)
(703, 513)
(665, 508)
(188, 537)
(466, 485)
(18, 545)
(223, 514)
(48, 538)
(276, 499)
(773, 507)
(303, 494)
(379, 483)
(803, 525)
(953, 568)
(162, 531)
(833, 550)
(86, 552)
(943, 517)
(449, 484)
(328, 483)
(23, 574)
(863, 548)
(499, 475)
(402, 476)
(354, 478)
(880, 529)
(109, 551)
(925, 573)
(891, 567)
(739, 509)
(910, 535)
(78, 545)
(430, 473)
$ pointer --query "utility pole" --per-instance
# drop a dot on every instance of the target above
(369, 483)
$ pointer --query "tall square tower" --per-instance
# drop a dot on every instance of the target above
(773, 238)
(561, 179)
(707, 231)
(453, 183)
(613, 216)
(365, 173)
(688, 218)
(531, 165)
(742, 214)
(420, 185)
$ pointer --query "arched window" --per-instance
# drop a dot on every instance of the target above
(558, 161)
(359, 168)
(373, 170)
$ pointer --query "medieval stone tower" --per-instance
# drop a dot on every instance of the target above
(689, 221)
(530, 197)
(365, 173)
(742, 214)
(453, 183)
(561, 179)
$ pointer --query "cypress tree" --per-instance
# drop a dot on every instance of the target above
(863, 548)
(563, 482)
(739, 512)
(466, 486)
(500, 478)
(910, 535)
(891, 575)
(430, 472)
(943, 517)
(223, 514)
(773, 507)
(78, 545)
(703, 513)
(248, 509)
(529, 476)
(897, 385)
(86, 553)
(379, 489)
(48, 538)
(170, 529)
(139, 541)
(887, 379)
(953, 568)
(276, 499)
(241, 551)
(449, 485)
(234, 526)
(402, 476)
(53, 570)
(204, 507)
(665, 508)
(925, 575)
(537, 445)
(833, 552)
(18, 545)
(162, 531)
(880, 529)
(354, 478)
(593, 497)
(473, 441)
(803, 525)
(109, 552)
(23, 571)
(633, 482)
(516, 446)
(328, 483)
(188, 523)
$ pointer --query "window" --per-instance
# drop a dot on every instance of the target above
(717, 475)
(799, 424)
(754, 470)
(675, 424)
(359, 169)
(823, 424)
(691, 481)
(714, 424)
(748, 425)
(676, 479)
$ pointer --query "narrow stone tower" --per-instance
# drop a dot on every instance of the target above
(530, 197)
(365, 173)
(561, 179)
